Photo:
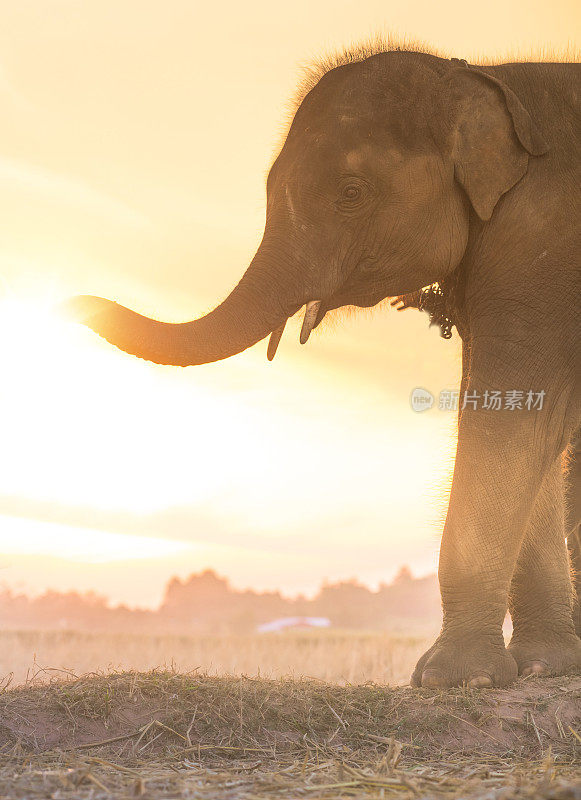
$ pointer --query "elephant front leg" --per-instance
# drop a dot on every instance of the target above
(541, 594)
(479, 549)
(501, 462)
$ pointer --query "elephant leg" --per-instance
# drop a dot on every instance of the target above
(502, 459)
(541, 594)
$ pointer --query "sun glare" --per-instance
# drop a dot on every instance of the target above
(87, 425)
(76, 414)
(126, 456)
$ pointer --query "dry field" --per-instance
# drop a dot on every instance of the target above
(162, 736)
(305, 715)
(327, 655)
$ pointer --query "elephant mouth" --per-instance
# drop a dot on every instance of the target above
(315, 311)
(348, 294)
(311, 319)
(442, 301)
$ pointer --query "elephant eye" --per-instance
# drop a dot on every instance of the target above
(351, 192)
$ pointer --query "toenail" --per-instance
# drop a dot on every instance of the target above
(480, 682)
(534, 668)
(433, 679)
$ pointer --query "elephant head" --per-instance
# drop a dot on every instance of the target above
(387, 162)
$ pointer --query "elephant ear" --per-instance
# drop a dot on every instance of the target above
(493, 136)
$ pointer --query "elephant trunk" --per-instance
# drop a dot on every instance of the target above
(264, 298)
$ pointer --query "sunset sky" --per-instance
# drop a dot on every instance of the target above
(136, 137)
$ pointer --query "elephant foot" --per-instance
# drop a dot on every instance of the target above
(477, 662)
(550, 655)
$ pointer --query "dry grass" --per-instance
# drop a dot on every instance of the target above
(166, 735)
(340, 733)
(330, 656)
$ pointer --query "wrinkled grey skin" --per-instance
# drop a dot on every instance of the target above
(397, 170)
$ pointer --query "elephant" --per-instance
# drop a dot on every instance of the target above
(403, 173)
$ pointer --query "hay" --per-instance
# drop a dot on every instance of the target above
(167, 735)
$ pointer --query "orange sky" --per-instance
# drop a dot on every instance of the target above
(135, 142)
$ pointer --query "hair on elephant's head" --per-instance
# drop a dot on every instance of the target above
(387, 160)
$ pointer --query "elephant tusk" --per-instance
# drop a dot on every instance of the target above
(275, 338)
(311, 313)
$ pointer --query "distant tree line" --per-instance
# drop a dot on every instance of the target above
(206, 603)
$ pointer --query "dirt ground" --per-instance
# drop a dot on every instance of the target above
(168, 735)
